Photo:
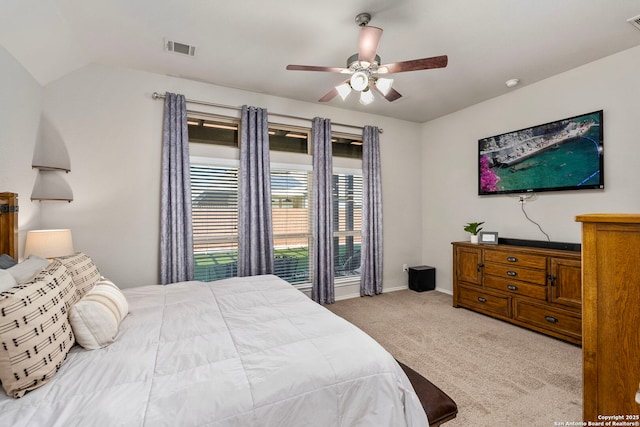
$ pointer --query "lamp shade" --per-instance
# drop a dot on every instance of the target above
(366, 97)
(359, 81)
(49, 243)
(384, 85)
(343, 90)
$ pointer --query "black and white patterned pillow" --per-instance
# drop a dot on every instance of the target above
(35, 335)
(84, 272)
(58, 273)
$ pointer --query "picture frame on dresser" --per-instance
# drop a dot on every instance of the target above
(488, 237)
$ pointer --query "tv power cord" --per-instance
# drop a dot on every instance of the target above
(522, 199)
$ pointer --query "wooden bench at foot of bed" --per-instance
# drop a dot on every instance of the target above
(439, 407)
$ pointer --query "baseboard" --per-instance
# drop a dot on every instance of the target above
(392, 289)
(384, 290)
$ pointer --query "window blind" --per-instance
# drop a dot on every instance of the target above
(347, 223)
(214, 194)
(290, 208)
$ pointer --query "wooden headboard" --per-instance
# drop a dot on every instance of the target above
(9, 224)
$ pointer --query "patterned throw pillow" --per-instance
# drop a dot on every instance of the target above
(96, 318)
(35, 335)
(84, 272)
(61, 276)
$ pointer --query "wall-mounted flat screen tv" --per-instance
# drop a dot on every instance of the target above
(562, 155)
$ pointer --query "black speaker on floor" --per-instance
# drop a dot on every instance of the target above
(422, 278)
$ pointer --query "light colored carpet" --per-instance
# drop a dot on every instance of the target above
(498, 374)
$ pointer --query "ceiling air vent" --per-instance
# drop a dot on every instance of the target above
(181, 48)
(635, 21)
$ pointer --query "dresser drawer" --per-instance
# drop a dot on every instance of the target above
(559, 321)
(516, 287)
(515, 258)
(485, 302)
(516, 272)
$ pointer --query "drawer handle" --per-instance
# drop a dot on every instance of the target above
(552, 279)
(480, 265)
(512, 287)
(482, 299)
(512, 273)
(512, 259)
(551, 319)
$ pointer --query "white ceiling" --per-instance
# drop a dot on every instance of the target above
(248, 43)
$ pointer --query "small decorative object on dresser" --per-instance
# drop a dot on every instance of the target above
(489, 238)
(537, 288)
(473, 228)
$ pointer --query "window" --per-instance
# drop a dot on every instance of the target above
(288, 138)
(293, 139)
(290, 211)
(347, 223)
(214, 198)
(213, 130)
(344, 145)
(214, 188)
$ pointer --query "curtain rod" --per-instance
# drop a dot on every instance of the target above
(156, 95)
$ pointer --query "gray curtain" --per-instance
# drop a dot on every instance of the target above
(322, 290)
(176, 234)
(255, 231)
(371, 268)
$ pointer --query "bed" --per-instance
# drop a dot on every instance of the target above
(238, 352)
(250, 351)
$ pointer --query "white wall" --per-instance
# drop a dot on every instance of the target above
(20, 104)
(449, 159)
(112, 129)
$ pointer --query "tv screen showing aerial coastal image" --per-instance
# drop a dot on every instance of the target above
(562, 155)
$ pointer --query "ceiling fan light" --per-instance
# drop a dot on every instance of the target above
(384, 85)
(343, 90)
(359, 81)
(366, 97)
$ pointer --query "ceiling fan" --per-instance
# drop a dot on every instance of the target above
(365, 69)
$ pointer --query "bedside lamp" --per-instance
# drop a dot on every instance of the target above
(49, 243)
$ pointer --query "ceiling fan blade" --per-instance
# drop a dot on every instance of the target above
(317, 68)
(391, 95)
(414, 65)
(368, 43)
(329, 96)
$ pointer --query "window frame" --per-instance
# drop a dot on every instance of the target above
(215, 155)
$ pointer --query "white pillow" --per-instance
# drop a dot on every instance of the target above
(96, 318)
(28, 268)
(6, 281)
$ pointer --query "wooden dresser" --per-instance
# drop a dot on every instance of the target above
(611, 311)
(536, 288)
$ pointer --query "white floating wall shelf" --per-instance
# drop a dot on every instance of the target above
(51, 158)
(51, 185)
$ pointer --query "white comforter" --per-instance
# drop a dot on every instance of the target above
(239, 352)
